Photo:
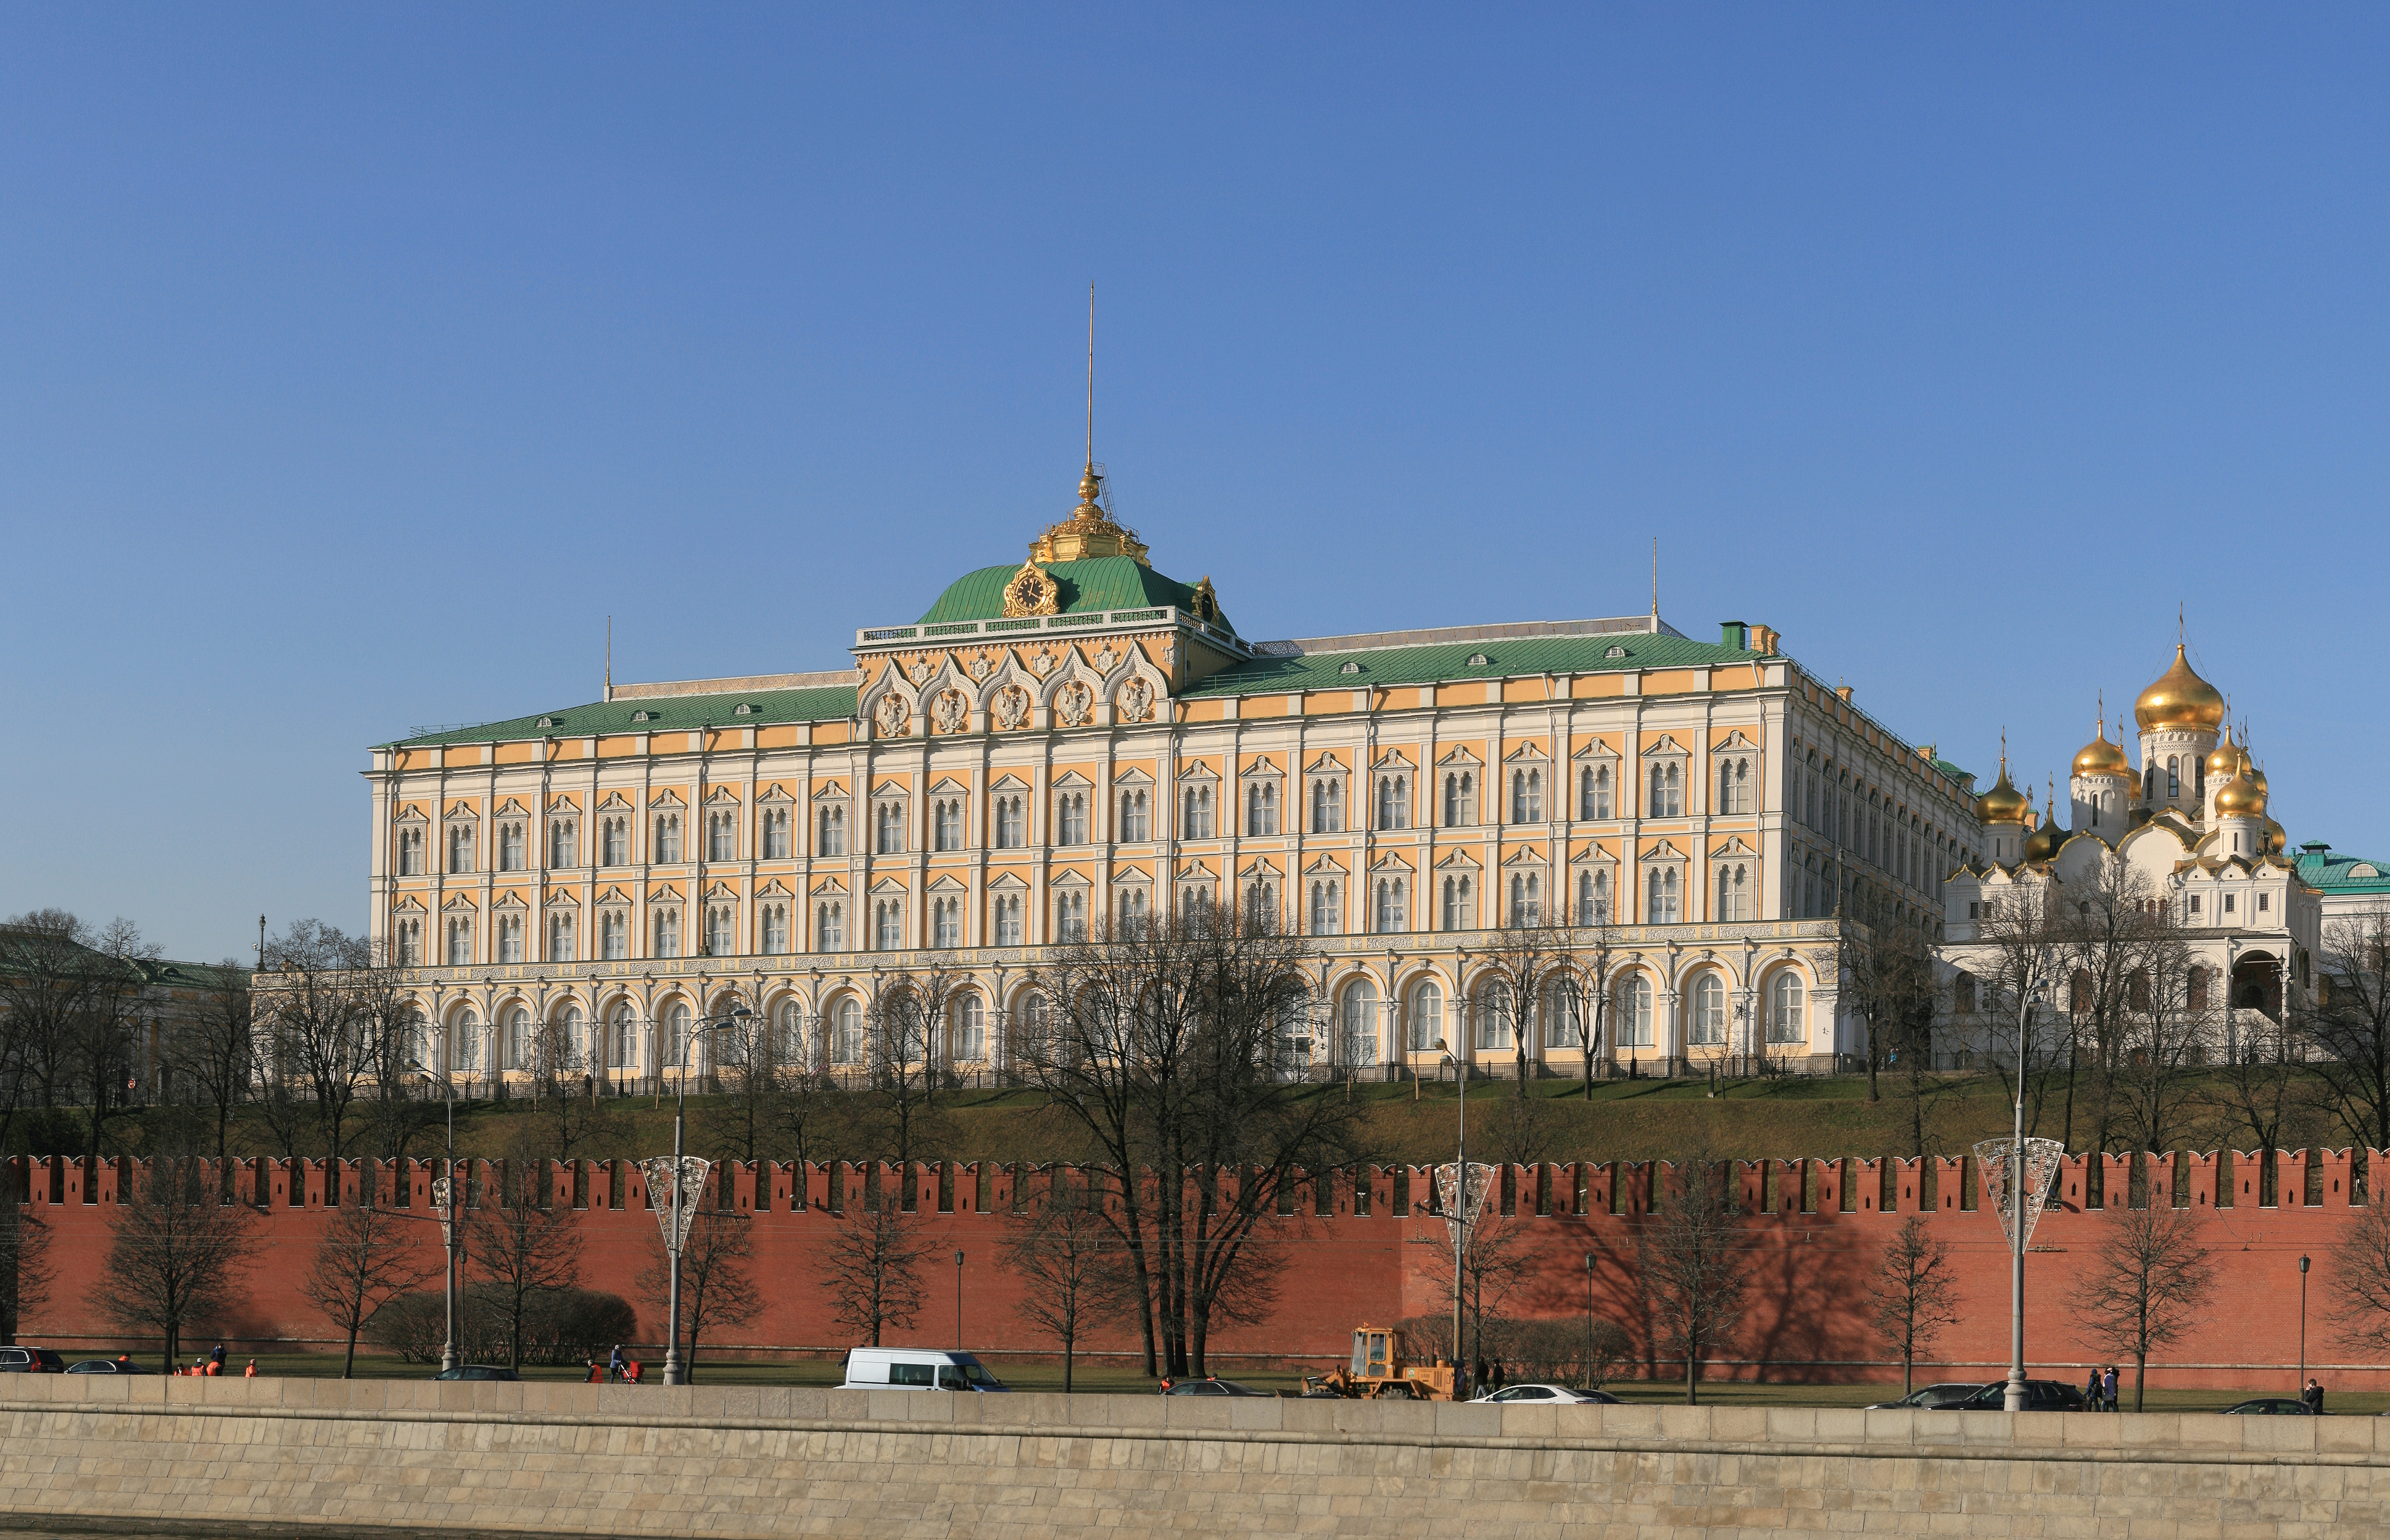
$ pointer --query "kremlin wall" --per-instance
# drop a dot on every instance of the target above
(1351, 1253)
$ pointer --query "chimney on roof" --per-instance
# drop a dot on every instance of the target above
(1843, 691)
(1734, 634)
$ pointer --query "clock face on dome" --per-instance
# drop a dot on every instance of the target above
(1031, 592)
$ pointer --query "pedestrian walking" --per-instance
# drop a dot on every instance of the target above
(217, 1360)
(2091, 1390)
(250, 1372)
(614, 1365)
(2313, 1395)
(1496, 1383)
(2108, 1387)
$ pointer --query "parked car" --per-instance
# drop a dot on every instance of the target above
(478, 1371)
(869, 1368)
(2040, 1395)
(1934, 1398)
(2271, 1405)
(1213, 1386)
(31, 1360)
(1551, 1394)
(106, 1365)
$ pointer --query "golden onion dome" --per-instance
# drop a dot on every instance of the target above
(2224, 758)
(2240, 797)
(2003, 804)
(2179, 699)
(2043, 842)
(2277, 839)
(2101, 757)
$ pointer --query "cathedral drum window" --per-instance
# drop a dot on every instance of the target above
(1137, 699)
(1012, 707)
(952, 711)
(891, 715)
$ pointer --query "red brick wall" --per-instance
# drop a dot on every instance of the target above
(1814, 1233)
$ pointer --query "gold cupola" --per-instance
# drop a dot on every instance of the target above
(2181, 700)
(1089, 532)
(2003, 804)
(2240, 797)
(2225, 758)
(2043, 842)
(2101, 757)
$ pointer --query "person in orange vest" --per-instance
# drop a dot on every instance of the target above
(250, 1372)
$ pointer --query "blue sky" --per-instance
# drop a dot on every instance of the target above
(360, 361)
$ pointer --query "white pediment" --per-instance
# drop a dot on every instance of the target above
(666, 798)
(1071, 780)
(830, 792)
(1459, 755)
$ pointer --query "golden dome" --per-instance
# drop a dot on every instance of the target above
(2101, 757)
(2043, 842)
(2179, 699)
(2224, 758)
(2240, 797)
(2278, 839)
(2003, 804)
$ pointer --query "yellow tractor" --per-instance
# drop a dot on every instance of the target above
(1378, 1373)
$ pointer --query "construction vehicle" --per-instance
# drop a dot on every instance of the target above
(1379, 1372)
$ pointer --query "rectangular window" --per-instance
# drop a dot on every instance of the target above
(1137, 817)
(1196, 824)
(667, 845)
(460, 849)
(775, 834)
(720, 837)
(1007, 919)
(614, 936)
(2265, 902)
(950, 825)
(559, 938)
(833, 832)
(510, 847)
(2227, 902)
(1009, 831)
(1070, 818)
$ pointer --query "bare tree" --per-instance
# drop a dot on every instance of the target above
(738, 1121)
(1531, 979)
(2143, 1286)
(368, 1255)
(2020, 991)
(522, 1247)
(1913, 1294)
(313, 1035)
(1070, 1265)
(71, 998)
(1889, 983)
(2263, 1089)
(906, 1027)
(810, 1111)
(1494, 1262)
(24, 1251)
(717, 1287)
(2357, 1300)
(211, 1047)
(1167, 1041)
(2349, 1023)
(1692, 1267)
(871, 1268)
(180, 1251)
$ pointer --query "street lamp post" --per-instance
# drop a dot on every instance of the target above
(1588, 1320)
(2013, 1399)
(676, 1372)
(2303, 1326)
(1459, 1230)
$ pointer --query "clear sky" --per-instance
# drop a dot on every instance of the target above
(359, 361)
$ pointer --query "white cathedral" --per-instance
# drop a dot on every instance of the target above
(2191, 828)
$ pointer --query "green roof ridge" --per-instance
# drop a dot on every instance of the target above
(1087, 587)
(665, 713)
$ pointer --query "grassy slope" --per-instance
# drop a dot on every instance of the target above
(1637, 1119)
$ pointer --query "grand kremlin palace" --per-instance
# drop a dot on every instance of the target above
(1079, 735)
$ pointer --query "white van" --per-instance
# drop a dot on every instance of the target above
(873, 1368)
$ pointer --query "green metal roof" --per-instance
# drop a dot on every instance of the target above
(1095, 585)
(1963, 778)
(662, 714)
(2320, 866)
(1426, 666)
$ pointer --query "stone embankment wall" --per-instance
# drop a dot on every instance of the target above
(1362, 1246)
(769, 1462)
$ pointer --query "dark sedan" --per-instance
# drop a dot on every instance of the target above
(2271, 1405)
(478, 1371)
(1215, 1386)
(106, 1366)
(1934, 1398)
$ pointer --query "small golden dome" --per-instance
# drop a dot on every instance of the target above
(2278, 839)
(2003, 804)
(2101, 757)
(2179, 699)
(2240, 797)
(2224, 758)
(2043, 842)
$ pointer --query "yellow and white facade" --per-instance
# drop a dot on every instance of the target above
(1080, 736)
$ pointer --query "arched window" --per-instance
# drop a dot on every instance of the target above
(1593, 791)
(948, 815)
(1137, 817)
(1564, 1015)
(833, 831)
(1007, 919)
(624, 1047)
(1526, 796)
(1787, 1008)
(888, 925)
(1325, 908)
(1327, 807)
(667, 933)
(788, 1034)
(1460, 800)
(1631, 1012)
(1427, 1017)
(967, 1038)
(1495, 1023)
(1459, 904)
(673, 1035)
(1593, 898)
(1526, 900)
(945, 922)
(465, 1042)
(1071, 914)
(830, 926)
(721, 940)
(1197, 821)
(775, 834)
(1709, 1011)
(846, 1032)
(1358, 1045)
(2174, 777)
(1393, 801)
(2194, 989)
(721, 836)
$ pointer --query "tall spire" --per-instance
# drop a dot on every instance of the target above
(1091, 380)
(1655, 585)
